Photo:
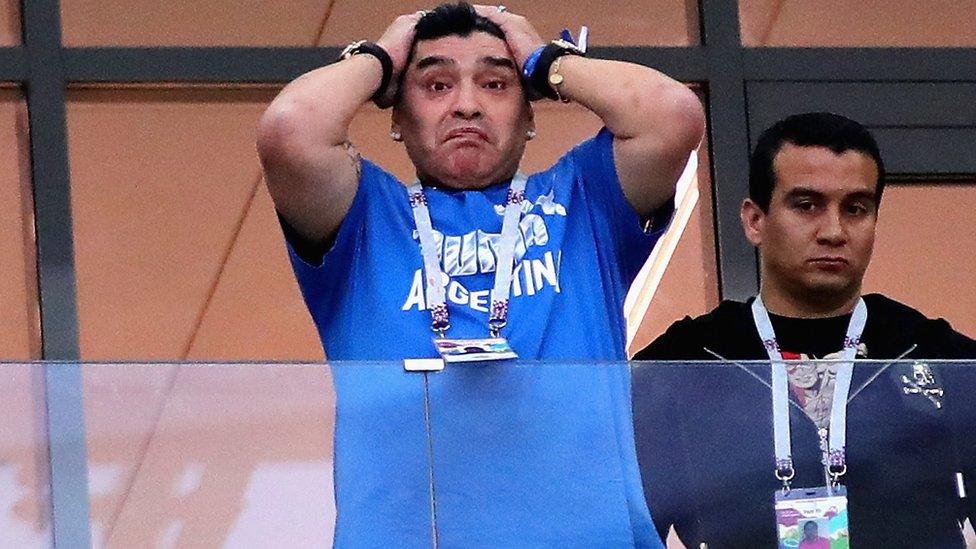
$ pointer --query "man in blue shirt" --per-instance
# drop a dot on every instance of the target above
(459, 78)
(474, 248)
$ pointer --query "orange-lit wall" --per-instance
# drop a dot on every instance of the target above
(924, 254)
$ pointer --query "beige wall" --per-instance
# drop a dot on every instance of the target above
(308, 22)
(924, 253)
(177, 248)
(690, 283)
(9, 23)
(906, 23)
(19, 312)
(630, 22)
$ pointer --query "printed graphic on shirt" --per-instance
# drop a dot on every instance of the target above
(476, 252)
(813, 382)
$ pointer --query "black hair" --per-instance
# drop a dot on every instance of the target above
(813, 129)
(454, 19)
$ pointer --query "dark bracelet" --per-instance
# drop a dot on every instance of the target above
(364, 47)
(539, 80)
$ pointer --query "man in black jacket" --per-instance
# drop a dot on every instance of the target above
(705, 435)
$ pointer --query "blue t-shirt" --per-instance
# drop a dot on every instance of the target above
(580, 248)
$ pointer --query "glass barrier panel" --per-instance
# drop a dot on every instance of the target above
(25, 503)
(704, 436)
(243, 455)
(535, 455)
(495, 454)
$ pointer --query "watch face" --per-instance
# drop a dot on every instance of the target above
(566, 45)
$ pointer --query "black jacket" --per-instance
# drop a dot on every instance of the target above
(705, 443)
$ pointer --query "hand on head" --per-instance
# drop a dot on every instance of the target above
(397, 40)
(521, 36)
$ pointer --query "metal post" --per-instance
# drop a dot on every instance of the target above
(728, 125)
(56, 272)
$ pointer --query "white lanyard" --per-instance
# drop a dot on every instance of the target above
(436, 297)
(836, 461)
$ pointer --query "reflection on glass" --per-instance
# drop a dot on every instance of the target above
(705, 445)
(926, 261)
(313, 22)
(243, 454)
(25, 505)
(218, 455)
(178, 251)
(839, 23)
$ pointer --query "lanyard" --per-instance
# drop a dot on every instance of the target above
(836, 462)
(436, 280)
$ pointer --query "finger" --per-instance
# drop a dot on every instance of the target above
(412, 17)
(494, 13)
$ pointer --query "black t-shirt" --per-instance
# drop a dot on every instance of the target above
(813, 337)
(892, 330)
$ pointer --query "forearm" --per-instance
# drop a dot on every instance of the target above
(317, 108)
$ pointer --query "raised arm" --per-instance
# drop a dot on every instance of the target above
(656, 121)
(311, 168)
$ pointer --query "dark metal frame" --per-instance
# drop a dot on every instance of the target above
(746, 89)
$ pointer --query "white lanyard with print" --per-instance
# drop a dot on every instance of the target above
(836, 459)
(434, 275)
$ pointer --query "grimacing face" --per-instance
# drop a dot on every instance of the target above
(817, 237)
(462, 113)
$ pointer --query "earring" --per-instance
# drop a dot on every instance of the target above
(395, 135)
(530, 134)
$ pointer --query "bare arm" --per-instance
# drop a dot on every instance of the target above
(656, 121)
(310, 167)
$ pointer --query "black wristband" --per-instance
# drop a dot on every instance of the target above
(539, 82)
(357, 48)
